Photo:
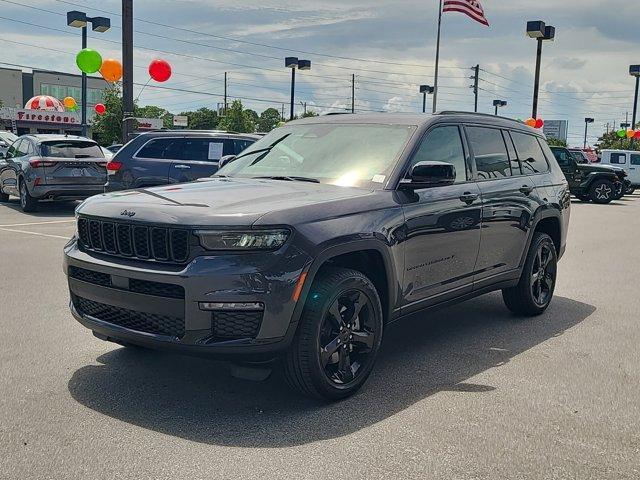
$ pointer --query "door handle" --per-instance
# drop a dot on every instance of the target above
(526, 189)
(469, 198)
(182, 167)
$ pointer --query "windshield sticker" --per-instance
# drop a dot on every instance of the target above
(378, 178)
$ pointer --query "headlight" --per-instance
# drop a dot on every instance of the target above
(243, 241)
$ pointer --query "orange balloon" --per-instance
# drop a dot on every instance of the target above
(111, 70)
(631, 133)
(69, 102)
(531, 122)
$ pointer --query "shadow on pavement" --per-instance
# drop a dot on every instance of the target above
(45, 209)
(196, 399)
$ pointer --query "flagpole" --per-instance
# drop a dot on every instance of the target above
(435, 82)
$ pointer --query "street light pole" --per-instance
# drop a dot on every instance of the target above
(293, 91)
(587, 121)
(294, 63)
(499, 103)
(426, 90)
(83, 95)
(127, 62)
(541, 32)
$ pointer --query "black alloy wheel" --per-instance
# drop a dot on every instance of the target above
(534, 292)
(602, 191)
(338, 337)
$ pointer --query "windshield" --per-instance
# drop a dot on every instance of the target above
(578, 156)
(71, 149)
(8, 137)
(338, 154)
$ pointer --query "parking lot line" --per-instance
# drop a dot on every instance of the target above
(33, 233)
(36, 223)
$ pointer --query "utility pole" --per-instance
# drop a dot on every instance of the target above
(127, 64)
(353, 93)
(304, 107)
(282, 112)
(225, 94)
(476, 85)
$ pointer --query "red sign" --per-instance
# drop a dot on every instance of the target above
(45, 116)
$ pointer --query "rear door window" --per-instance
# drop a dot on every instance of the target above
(618, 158)
(70, 149)
(635, 159)
(162, 148)
(490, 152)
(18, 148)
(513, 156)
(530, 153)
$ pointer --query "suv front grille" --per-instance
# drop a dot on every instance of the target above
(146, 287)
(162, 244)
(139, 321)
(236, 324)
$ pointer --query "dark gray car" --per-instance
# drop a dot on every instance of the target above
(306, 245)
(51, 167)
(160, 158)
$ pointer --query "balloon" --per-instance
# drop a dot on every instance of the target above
(88, 60)
(160, 70)
(539, 123)
(630, 133)
(637, 135)
(69, 102)
(111, 70)
(622, 133)
(73, 109)
(531, 122)
(100, 109)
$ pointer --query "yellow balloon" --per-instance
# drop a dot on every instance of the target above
(69, 102)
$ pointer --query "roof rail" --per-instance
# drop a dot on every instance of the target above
(461, 112)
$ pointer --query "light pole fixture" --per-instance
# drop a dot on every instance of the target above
(294, 63)
(499, 103)
(587, 121)
(634, 71)
(541, 32)
(98, 24)
(425, 90)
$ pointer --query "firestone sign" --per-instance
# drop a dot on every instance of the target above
(40, 116)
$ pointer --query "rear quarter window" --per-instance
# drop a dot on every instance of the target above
(618, 158)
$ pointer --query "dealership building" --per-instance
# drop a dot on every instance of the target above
(17, 87)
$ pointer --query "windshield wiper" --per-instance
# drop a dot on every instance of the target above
(289, 178)
(261, 150)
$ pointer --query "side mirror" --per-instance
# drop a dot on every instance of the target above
(430, 174)
(226, 159)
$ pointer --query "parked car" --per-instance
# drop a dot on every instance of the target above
(6, 139)
(305, 245)
(108, 154)
(629, 160)
(160, 158)
(622, 188)
(588, 181)
(51, 167)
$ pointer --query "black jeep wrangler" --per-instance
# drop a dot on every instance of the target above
(597, 183)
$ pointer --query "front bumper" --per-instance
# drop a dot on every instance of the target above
(268, 279)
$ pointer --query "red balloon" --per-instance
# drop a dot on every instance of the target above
(100, 109)
(637, 135)
(160, 70)
(539, 123)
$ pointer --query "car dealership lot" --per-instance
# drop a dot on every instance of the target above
(467, 392)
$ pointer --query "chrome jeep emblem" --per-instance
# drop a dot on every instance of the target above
(127, 213)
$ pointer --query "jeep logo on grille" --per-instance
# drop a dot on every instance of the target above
(127, 213)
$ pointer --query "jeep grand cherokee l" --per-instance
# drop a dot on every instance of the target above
(307, 244)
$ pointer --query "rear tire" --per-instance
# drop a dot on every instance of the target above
(27, 202)
(534, 291)
(602, 192)
(338, 337)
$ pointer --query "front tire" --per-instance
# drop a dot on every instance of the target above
(338, 338)
(27, 202)
(602, 192)
(534, 291)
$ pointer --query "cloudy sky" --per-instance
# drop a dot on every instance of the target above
(388, 44)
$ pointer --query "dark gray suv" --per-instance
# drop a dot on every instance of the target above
(51, 167)
(306, 245)
(160, 158)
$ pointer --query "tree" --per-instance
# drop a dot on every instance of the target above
(107, 128)
(202, 119)
(555, 142)
(611, 141)
(310, 113)
(237, 120)
(151, 111)
(269, 119)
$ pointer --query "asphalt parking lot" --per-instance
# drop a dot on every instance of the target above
(465, 393)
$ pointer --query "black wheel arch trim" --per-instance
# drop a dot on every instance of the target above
(541, 214)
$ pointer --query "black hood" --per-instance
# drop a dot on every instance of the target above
(214, 201)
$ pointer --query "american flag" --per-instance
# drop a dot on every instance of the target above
(471, 8)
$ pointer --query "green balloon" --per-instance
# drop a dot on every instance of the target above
(622, 133)
(88, 60)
